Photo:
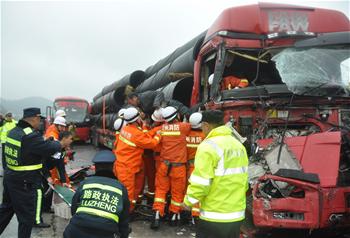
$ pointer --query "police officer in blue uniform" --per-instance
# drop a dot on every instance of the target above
(24, 150)
(100, 206)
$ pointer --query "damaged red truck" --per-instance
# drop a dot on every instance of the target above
(294, 114)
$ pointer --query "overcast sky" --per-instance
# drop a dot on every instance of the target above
(64, 48)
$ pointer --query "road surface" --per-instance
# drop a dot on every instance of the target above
(84, 154)
(139, 228)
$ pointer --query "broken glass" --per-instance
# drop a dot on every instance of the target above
(313, 71)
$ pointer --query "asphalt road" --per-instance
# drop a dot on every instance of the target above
(84, 154)
(140, 228)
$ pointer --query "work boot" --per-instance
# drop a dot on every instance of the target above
(42, 225)
(155, 224)
(174, 219)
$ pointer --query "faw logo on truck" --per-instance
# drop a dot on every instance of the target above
(282, 21)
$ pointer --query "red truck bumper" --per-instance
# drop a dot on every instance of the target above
(316, 207)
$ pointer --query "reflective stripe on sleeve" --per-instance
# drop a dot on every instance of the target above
(199, 180)
(222, 216)
(126, 141)
(230, 171)
(25, 168)
(99, 213)
(192, 200)
(13, 142)
(157, 138)
(170, 133)
(103, 187)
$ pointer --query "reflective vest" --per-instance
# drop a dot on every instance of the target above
(102, 197)
(220, 180)
(13, 157)
(7, 126)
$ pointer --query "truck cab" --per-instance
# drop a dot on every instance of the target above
(293, 108)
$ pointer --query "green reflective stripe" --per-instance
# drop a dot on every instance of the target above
(103, 187)
(175, 203)
(38, 206)
(127, 141)
(13, 142)
(99, 213)
(159, 200)
(25, 168)
(27, 130)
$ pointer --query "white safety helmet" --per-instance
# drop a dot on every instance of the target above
(196, 120)
(169, 113)
(211, 79)
(119, 124)
(131, 114)
(60, 121)
(121, 112)
(157, 115)
(60, 113)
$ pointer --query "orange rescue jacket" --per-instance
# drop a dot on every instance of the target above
(193, 139)
(131, 143)
(173, 142)
(52, 131)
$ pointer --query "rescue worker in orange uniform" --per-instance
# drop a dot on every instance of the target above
(132, 142)
(152, 160)
(194, 138)
(118, 125)
(53, 131)
(171, 174)
(232, 82)
(157, 126)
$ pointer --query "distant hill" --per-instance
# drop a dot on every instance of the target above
(16, 106)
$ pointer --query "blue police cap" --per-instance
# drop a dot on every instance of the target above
(104, 156)
(32, 112)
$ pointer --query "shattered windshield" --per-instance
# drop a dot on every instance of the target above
(315, 71)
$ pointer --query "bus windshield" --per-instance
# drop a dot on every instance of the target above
(76, 111)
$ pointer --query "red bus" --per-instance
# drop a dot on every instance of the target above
(77, 113)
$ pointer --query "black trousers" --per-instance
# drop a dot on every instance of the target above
(74, 231)
(47, 198)
(24, 200)
(206, 229)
